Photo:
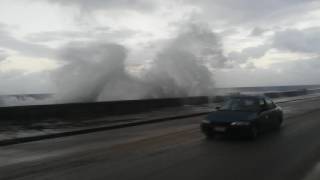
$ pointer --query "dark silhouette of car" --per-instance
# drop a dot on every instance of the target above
(243, 115)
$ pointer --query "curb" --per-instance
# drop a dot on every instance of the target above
(91, 130)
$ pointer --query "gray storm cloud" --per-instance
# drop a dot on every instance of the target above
(237, 58)
(7, 40)
(295, 40)
(97, 71)
(3, 55)
(249, 11)
(108, 4)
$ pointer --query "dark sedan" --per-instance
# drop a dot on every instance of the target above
(243, 115)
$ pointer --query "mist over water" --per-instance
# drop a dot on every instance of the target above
(182, 67)
(89, 68)
(96, 71)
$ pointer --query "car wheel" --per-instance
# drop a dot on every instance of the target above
(254, 132)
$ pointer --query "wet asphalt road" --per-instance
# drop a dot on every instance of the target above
(173, 150)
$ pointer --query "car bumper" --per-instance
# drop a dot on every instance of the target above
(225, 129)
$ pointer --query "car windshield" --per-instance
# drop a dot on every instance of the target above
(241, 104)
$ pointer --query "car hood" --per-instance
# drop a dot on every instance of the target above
(231, 116)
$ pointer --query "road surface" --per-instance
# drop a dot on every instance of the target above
(173, 150)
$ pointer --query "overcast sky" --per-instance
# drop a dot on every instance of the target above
(261, 43)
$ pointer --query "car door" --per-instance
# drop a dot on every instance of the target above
(266, 115)
(263, 115)
(272, 113)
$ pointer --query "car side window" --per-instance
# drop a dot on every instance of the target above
(270, 103)
(262, 103)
